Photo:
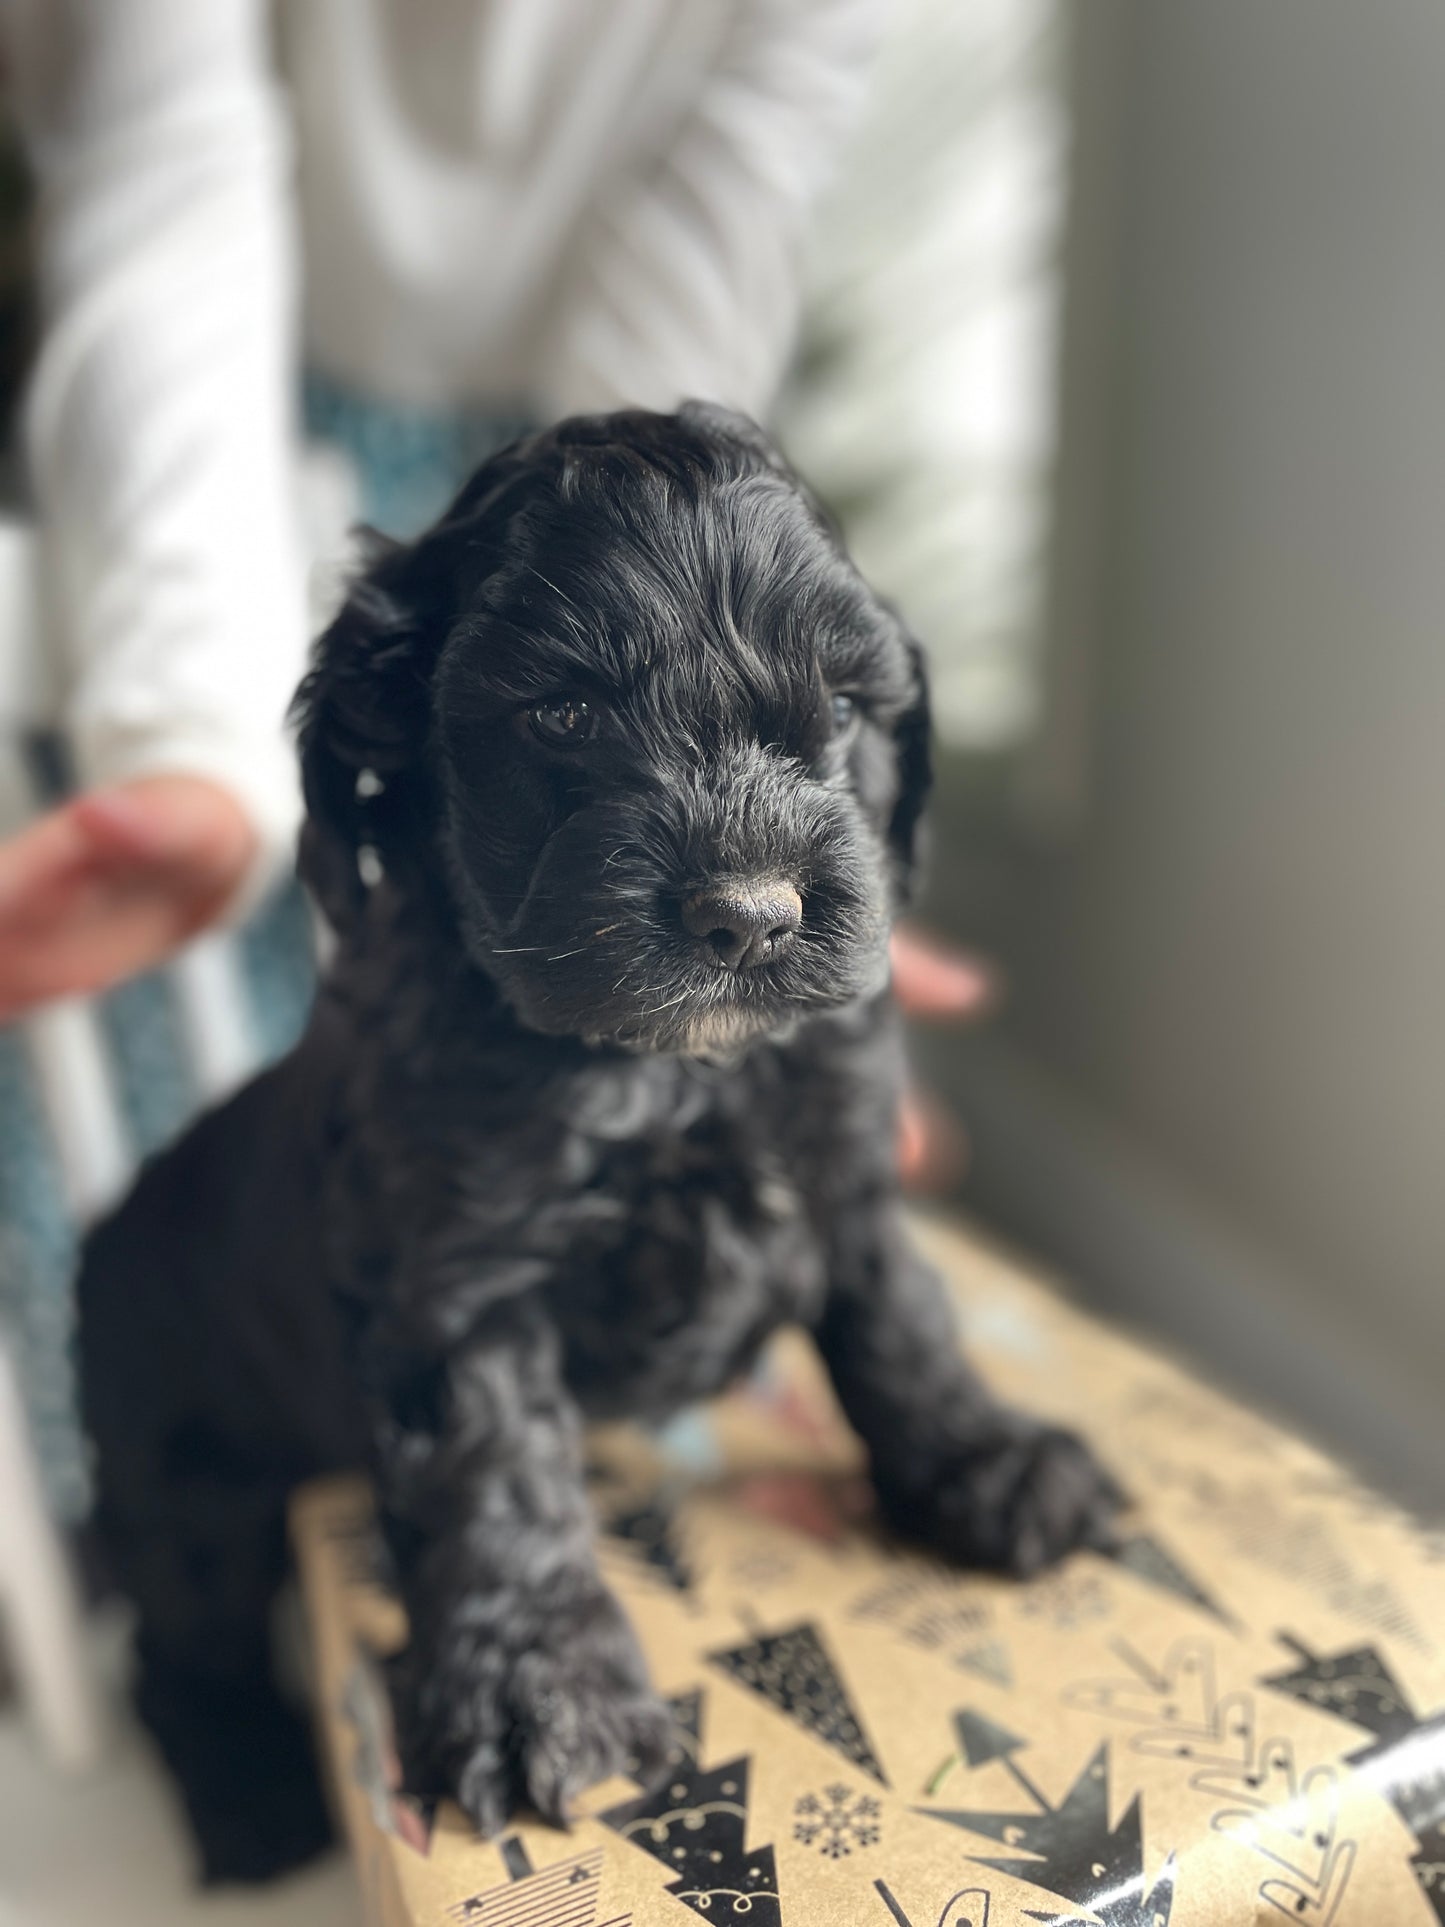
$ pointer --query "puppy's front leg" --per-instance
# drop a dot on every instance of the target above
(523, 1682)
(979, 1482)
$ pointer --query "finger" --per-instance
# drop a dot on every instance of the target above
(128, 826)
(112, 883)
(932, 1147)
(161, 820)
(932, 981)
(92, 929)
(45, 856)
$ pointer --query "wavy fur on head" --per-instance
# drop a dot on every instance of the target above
(613, 784)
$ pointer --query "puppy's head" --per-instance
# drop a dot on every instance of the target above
(632, 706)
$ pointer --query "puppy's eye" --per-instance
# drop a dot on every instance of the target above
(846, 715)
(562, 722)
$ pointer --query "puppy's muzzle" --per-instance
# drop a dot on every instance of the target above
(740, 925)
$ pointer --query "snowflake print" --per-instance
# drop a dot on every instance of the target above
(836, 1821)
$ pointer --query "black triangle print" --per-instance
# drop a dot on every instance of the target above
(690, 1820)
(1073, 1851)
(695, 1822)
(1356, 1685)
(651, 1532)
(980, 1740)
(720, 1892)
(792, 1671)
(1142, 1555)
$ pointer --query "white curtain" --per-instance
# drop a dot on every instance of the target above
(923, 402)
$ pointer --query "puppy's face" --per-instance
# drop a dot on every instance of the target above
(665, 734)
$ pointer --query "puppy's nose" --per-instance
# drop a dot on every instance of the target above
(744, 924)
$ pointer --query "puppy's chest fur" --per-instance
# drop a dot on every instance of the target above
(667, 1215)
(711, 1245)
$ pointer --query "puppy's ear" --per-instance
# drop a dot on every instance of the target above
(913, 753)
(363, 712)
(363, 716)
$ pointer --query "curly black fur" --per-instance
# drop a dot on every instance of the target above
(541, 1155)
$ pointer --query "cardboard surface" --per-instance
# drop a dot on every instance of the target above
(1240, 1719)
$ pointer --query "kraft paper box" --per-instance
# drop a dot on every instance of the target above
(1239, 1718)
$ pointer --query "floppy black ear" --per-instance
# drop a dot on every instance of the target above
(912, 749)
(364, 710)
(363, 716)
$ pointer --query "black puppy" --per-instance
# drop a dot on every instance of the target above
(613, 782)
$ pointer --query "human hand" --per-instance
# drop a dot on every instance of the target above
(112, 882)
(931, 981)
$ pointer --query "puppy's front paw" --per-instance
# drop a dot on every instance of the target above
(579, 1718)
(537, 1723)
(1015, 1496)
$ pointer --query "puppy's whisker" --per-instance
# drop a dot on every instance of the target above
(657, 1009)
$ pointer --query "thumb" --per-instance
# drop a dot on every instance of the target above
(131, 823)
(931, 980)
(161, 822)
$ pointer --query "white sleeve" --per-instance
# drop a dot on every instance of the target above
(159, 424)
(686, 277)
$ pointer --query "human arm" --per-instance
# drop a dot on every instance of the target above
(160, 446)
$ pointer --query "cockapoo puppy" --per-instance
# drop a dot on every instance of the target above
(613, 785)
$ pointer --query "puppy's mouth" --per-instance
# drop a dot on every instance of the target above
(717, 970)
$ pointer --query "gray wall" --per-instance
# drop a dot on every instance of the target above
(1225, 914)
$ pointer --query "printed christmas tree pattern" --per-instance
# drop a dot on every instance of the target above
(793, 1672)
(1178, 1704)
(1142, 1555)
(1405, 1759)
(651, 1531)
(562, 1895)
(969, 1907)
(695, 1823)
(980, 1741)
(1072, 1850)
(1289, 1819)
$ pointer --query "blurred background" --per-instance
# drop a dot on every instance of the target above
(1120, 358)
(1181, 576)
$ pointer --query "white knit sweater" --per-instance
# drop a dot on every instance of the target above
(558, 203)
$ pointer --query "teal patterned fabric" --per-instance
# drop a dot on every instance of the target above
(408, 464)
(154, 1082)
(36, 1256)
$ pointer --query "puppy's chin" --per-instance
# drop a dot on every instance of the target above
(715, 1035)
(708, 1020)
(723, 1033)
